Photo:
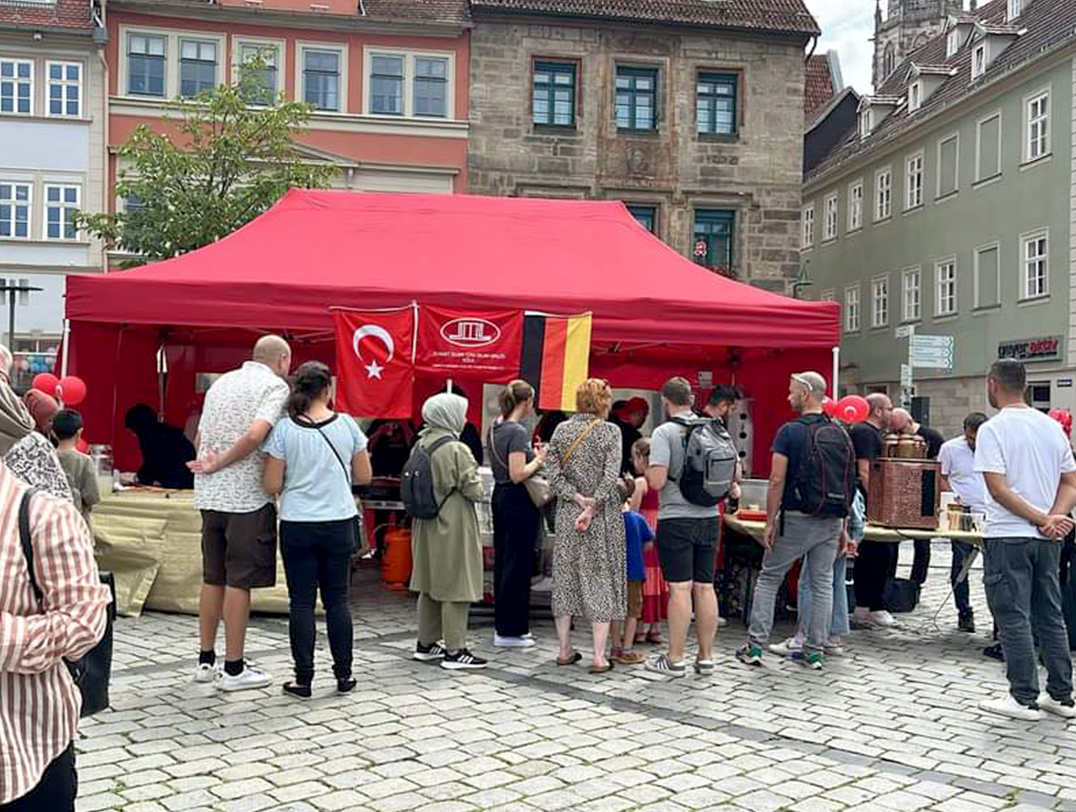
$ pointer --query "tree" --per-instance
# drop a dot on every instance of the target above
(226, 162)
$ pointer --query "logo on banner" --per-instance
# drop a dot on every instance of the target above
(373, 369)
(470, 333)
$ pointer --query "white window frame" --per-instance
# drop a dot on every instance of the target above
(852, 305)
(952, 43)
(865, 123)
(883, 196)
(300, 62)
(979, 143)
(880, 301)
(65, 210)
(979, 251)
(855, 205)
(831, 222)
(29, 209)
(65, 83)
(278, 45)
(827, 295)
(913, 185)
(915, 96)
(978, 70)
(940, 308)
(409, 56)
(911, 314)
(1013, 10)
(807, 228)
(1025, 240)
(33, 84)
(171, 58)
(1040, 140)
(956, 174)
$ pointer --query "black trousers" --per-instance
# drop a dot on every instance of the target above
(515, 529)
(55, 792)
(871, 571)
(317, 556)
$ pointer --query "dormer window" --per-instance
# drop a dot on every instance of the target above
(1016, 8)
(865, 123)
(978, 61)
(915, 96)
(952, 44)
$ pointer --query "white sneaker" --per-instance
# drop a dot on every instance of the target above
(513, 642)
(722, 622)
(1050, 705)
(206, 672)
(1009, 707)
(833, 647)
(246, 679)
(786, 647)
(881, 618)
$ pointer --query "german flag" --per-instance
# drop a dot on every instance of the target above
(556, 358)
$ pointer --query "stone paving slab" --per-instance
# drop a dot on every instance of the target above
(893, 726)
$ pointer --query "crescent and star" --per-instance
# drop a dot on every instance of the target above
(373, 369)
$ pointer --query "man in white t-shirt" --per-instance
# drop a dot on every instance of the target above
(957, 458)
(1030, 476)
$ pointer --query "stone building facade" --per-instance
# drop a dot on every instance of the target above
(908, 25)
(718, 179)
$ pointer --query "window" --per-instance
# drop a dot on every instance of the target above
(431, 86)
(864, 123)
(714, 229)
(15, 211)
(910, 283)
(880, 302)
(636, 99)
(851, 309)
(830, 225)
(883, 194)
(978, 61)
(16, 86)
(914, 176)
(1036, 262)
(855, 206)
(1015, 9)
(262, 64)
(145, 65)
(988, 148)
(915, 96)
(554, 94)
(64, 88)
(948, 163)
(945, 287)
(889, 60)
(1038, 127)
(807, 235)
(387, 85)
(952, 43)
(646, 216)
(987, 276)
(716, 103)
(321, 79)
(827, 296)
(197, 67)
(61, 204)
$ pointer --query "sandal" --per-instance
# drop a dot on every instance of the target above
(573, 658)
(605, 669)
(628, 657)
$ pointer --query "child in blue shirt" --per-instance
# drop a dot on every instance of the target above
(637, 533)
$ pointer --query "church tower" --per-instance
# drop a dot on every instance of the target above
(906, 25)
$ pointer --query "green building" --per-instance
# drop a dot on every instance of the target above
(951, 206)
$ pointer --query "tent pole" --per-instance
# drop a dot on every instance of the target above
(65, 348)
(836, 370)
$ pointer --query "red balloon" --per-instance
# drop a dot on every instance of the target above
(829, 406)
(72, 390)
(82, 445)
(853, 409)
(46, 382)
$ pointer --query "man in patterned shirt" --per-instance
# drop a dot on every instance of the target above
(39, 703)
(238, 516)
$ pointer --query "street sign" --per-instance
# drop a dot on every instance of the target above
(932, 351)
(906, 376)
(906, 331)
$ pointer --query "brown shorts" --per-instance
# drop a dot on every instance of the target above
(239, 549)
(635, 599)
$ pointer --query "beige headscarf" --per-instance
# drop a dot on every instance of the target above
(445, 413)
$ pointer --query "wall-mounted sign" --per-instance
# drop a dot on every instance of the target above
(1064, 383)
(1031, 349)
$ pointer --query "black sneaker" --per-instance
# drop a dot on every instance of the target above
(426, 654)
(966, 623)
(462, 660)
(994, 652)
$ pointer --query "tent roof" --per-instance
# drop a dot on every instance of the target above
(317, 249)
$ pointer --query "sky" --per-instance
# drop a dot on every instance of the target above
(847, 26)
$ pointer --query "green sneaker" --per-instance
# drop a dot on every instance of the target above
(812, 660)
(749, 654)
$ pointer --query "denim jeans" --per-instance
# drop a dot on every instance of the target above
(801, 535)
(961, 590)
(1023, 590)
(838, 624)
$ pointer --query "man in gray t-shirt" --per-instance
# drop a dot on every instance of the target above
(686, 540)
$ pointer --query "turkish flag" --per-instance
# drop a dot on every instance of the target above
(375, 367)
(481, 346)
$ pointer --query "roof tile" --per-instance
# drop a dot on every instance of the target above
(65, 14)
(818, 87)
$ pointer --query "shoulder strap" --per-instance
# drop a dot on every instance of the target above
(339, 459)
(27, 541)
(579, 440)
(439, 443)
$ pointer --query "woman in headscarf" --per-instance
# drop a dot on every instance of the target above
(447, 550)
(165, 451)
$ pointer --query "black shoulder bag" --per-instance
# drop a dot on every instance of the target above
(93, 671)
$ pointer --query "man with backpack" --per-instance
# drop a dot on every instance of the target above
(692, 467)
(812, 483)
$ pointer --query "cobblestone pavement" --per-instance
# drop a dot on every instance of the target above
(891, 726)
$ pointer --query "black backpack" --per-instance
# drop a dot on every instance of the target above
(416, 482)
(710, 460)
(825, 483)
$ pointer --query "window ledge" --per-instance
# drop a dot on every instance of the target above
(913, 210)
(942, 318)
(911, 322)
(947, 196)
(638, 133)
(1031, 301)
(45, 119)
(30, 241)
(1043, 159)
(830, 241)
(853, 231)
(719, 138)
(987, 181)
(562, 130)
(878, 328)
(980, 311)
(883, 221)
(806, 249)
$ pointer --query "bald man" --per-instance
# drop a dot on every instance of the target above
(238, 517)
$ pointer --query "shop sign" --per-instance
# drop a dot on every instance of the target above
(1031, 349)
(1064, 383)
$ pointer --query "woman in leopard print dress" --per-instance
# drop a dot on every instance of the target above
(589, 555)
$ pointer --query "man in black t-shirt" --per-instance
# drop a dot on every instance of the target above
(903, 423)
(875, 557)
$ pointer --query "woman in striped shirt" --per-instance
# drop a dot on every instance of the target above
(39, 703)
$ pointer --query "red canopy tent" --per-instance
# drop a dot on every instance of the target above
(655, 312)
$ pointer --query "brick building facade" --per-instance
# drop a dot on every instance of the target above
(693, 118)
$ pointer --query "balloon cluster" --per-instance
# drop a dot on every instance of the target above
(1064, 417)
(849, 409)
(70, 391)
